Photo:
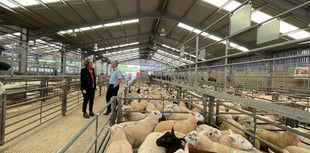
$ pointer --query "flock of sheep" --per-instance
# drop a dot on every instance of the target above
(170, 126)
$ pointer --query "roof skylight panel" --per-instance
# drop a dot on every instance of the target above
(25, 2)
(8, 3)
(98, 26)
(130, 21)
(112, 24)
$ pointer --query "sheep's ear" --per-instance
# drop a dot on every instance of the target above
(232, 139)
(270, 151)
(172, 131)
(193, 113)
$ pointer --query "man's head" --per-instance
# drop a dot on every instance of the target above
(114, 63)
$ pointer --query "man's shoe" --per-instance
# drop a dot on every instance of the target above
(85, 115)
(91, 114)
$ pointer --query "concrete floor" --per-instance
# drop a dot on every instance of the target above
(49, 138)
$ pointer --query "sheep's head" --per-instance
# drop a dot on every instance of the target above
(170, 108)
(124, 109)
(115, 127)
(170, 140)
(193, 137)
(213, 133)
(157, 113)
(248, 124)
(197, 116)
(239, 142)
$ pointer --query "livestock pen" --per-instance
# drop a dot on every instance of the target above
(208, 103)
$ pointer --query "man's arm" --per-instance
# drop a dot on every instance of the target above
(117, 82)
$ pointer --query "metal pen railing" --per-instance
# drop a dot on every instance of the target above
(36, 101)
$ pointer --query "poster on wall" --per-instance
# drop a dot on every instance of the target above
(301, 72)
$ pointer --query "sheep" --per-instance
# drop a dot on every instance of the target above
(155, 105)
(199, 141)
(295, 149)
(174, 116)
(231, 91)
(235, 141)
(235, 113)
(170, 141)
(225, 126)
(183, 126)
(287, 138)
(243, 119)
(136, 131)
(131, 116)
(138, 106)
(149, 144)
(292, 149)
(183, 107)
(2, 88)
(213, 133)
(227, 138)
(118, 141)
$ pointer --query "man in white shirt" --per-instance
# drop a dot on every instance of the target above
(114, 82)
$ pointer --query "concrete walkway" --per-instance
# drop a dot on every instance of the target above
(50, 137)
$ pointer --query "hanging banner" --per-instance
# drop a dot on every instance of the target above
(269, 31)
(202, 53)
(301, 72)
(240, 19)
(182, 51)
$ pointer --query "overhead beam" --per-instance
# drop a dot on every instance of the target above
(161, 61)
(156, 14)
(117, 49)
(90, 43)
(33, 34)
(286, 5)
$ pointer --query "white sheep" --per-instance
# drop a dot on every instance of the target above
(138, 106)
(131, 116)
(174, 116)
(118, 142)
(243, 119)
(235, 140)
(136, 131)
(211, 132)
(292, 149)
(287, 138)
(225, 126)
(183, 107)
(149, 144)
(199, 141)
(183, 126)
